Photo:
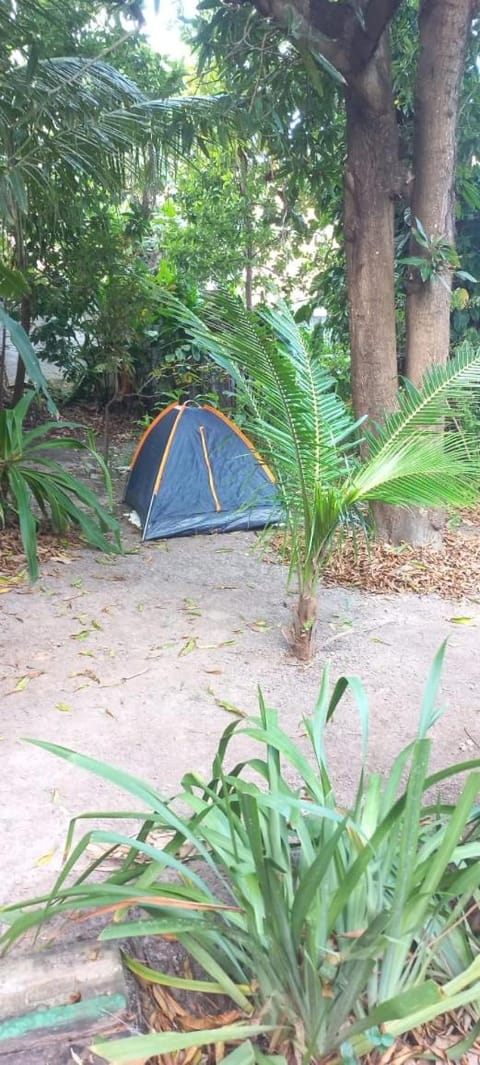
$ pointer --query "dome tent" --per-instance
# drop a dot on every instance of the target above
(194, 471)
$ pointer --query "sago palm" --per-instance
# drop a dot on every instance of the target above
(311, 440)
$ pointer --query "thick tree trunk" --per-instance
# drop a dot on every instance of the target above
(371, 183)
(371, 170)
(444, 29)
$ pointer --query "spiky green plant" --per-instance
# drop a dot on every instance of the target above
(310, 438)
(332, 929)
(30, 476)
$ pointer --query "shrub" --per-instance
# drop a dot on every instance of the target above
(29, 475)
(332, 930)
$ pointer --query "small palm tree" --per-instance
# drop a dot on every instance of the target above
(311, 440)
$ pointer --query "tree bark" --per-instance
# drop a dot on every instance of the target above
(3, 376)
(26, 320)
(444, 29)
(303, 626)
(25, 312)
(371, 169)
(248, 224)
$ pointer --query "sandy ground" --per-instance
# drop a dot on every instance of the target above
(126, 657)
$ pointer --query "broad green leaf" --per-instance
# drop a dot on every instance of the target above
(13, 283)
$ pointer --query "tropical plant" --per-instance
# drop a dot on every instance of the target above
(309, 436)
(27, 353)
(77, 134)
(332, 930)
(30, 476)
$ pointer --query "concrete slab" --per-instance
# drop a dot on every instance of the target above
(53, 1001)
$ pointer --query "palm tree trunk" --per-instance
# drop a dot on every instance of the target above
(303, 626)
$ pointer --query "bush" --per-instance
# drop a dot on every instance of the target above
(29, 475)
(332, 930)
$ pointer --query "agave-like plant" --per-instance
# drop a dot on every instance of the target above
(310, 438)
(29, 475)
(332, 930)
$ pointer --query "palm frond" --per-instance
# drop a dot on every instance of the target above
(81, 116)
(412, 460)
(292, 406)
(419, 410)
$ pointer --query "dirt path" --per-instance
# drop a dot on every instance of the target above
(125, 659)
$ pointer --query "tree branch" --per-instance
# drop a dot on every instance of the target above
(316, 24)
(377, 16)
(332, 20)
(346, 35)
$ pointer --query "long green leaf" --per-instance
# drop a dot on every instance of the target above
(129, 1051)
(28, 356)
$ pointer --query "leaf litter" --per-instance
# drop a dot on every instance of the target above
(452, 571)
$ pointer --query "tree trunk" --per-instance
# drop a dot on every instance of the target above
(371, 174)
(26, 320)
(249, 279)
(248, 224)
(3, 376)
(371, 183)
(25, 311)
(444, 29)
(303, 626)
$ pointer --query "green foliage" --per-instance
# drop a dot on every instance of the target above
(439, 257)
(31, 479)
(332, 929)
(295, 117)
(26, 352)
(226, 212)
(299, 119)
(76, 136)
(13, 284)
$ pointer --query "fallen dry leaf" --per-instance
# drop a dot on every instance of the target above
(230, 708)
(20, 686)
(46, 858)
(189, 646)
(452, 572)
